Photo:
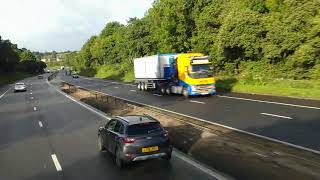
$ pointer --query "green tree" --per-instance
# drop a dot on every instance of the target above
(27, 55)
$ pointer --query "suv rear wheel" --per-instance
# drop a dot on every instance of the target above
(100, 145)
(167, 157)
(119, 161)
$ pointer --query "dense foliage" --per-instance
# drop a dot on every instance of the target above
(254, 39)
(13, 59)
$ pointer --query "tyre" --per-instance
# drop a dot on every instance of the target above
(119, 161)
(185, 92)
(162, 90)
(100, 144)
(168, 90)
(146, 86)
(167, 157)
(142, 87)
(139, 86)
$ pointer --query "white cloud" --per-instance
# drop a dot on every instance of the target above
(46, 25)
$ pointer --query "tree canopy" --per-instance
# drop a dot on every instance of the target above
(13, 59)
(282, 37)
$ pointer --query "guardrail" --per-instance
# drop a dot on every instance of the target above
(288, 158)
(53, 75)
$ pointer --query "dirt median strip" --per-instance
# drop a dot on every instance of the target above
(240, 155)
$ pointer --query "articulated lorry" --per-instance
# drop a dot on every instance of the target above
(188, 74)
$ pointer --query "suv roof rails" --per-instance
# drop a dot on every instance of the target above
(147, 115)
(122, 118)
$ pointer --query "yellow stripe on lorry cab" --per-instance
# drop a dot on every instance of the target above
(184, 64)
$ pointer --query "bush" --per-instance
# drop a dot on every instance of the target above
(315, 72)
(89, 72)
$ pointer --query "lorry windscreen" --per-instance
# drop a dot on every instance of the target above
(200, 71)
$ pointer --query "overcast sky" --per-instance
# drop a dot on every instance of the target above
(47, 25)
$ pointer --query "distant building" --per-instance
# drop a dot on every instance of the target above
(45, 60)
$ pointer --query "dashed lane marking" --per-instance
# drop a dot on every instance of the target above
(157, 95)
(56, 162)
(40, 124)
(199, 102)
(275, 115)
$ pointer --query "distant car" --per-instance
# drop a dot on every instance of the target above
(134, 138)
(74, 75)
(40, 77)
(20, 87)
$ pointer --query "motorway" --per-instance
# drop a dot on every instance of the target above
(295, 121)
(44, 135)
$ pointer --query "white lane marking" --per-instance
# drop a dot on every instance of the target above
(100, 113)
(40, 124)
(34, 108)
(199, 166)
(4, 93)
(157, 95)
(133, 90)
(285, 117)
(31, 97)
(199, 119)
(31, 93)
(199, 102)
(114, 82)
(56, 162)
(270, 102)
(116, 87)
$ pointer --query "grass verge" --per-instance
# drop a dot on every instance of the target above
(283, 87)
(7, 78)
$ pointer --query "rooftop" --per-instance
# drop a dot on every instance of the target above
(137, 119)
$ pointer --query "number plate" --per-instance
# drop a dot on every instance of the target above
(150, 149)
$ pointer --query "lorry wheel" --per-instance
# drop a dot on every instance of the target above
(146, 86)
(168, 90)
(142, 86)
(139, 86)
(185, 92)
(163, 90)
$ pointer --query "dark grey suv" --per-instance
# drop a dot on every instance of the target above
(134, 138)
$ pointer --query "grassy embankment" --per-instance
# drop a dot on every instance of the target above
(281, 87)
(12, 77)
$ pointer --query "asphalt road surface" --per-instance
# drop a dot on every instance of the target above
(44, 135)
(290, 120)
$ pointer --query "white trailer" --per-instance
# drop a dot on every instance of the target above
(150, 70)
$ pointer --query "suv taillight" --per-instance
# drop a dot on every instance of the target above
(128, 140)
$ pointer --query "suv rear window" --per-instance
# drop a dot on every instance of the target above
(144, 128)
